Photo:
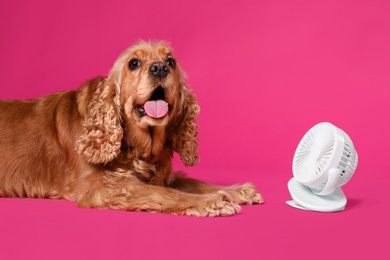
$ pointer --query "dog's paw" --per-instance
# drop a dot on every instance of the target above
(213, 205)
(245, 194)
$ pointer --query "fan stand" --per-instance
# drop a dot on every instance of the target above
(304, 198)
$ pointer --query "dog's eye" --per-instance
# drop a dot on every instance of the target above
(171, 63)
(134, 63)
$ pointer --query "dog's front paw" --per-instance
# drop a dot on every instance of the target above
(213, 205)
(245, 194)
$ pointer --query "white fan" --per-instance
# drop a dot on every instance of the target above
(324, 160)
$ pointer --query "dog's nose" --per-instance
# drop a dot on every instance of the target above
(159, 69)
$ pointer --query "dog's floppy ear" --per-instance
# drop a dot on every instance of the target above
(99, 105)
(185, 139)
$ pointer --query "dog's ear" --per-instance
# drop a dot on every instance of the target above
(185, 138)
(99, 106)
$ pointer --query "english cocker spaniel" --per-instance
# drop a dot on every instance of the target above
(109, 144)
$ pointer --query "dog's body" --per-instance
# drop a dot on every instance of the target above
(110, 143)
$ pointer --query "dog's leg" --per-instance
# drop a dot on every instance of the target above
(241, 194)
(127, 194)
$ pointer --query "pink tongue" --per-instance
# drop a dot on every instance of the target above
(156, 108)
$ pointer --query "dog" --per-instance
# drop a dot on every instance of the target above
(109, 144)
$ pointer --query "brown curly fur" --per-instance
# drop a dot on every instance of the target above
(90, 145)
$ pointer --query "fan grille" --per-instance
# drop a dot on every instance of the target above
(349, 160)
(314, 152)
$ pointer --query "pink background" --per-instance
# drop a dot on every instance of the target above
(264, 72)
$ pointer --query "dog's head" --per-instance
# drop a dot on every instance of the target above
(144, 90)
(149, 82)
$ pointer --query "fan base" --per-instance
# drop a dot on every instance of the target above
(304, 198)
